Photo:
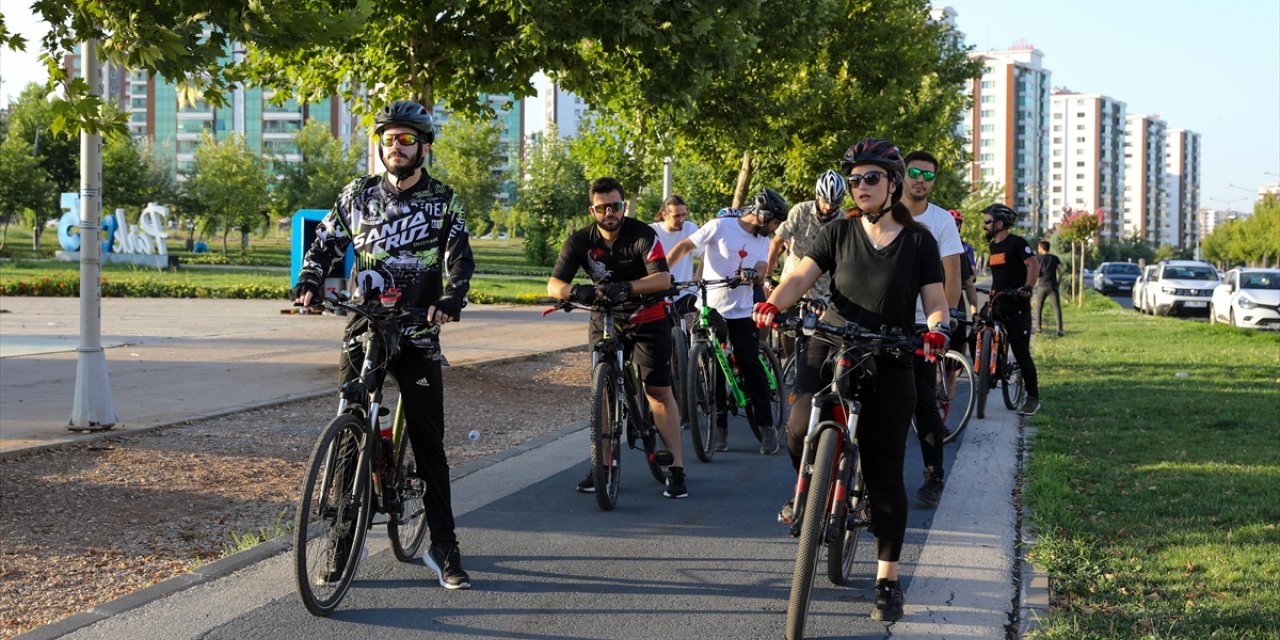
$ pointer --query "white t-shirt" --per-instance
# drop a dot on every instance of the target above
(943, 227)
(727, 248)
(682, 272)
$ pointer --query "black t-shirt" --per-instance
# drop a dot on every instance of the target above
(635, 253)
(1049, 264)
(875, 287)
(1008, 262)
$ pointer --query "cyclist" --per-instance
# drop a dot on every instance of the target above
(738, 248)
(409, 232)
(881, 260)
(799, 232)
(1046, 286)
(624, 259)
(922, 171)
(1014, 266)
(673, 225)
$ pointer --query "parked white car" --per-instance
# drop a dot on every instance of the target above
(1142, 289)
(1182, 287)
(1248, 298)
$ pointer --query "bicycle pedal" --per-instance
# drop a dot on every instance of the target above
(663, 457)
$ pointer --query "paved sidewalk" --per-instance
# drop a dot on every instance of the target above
(173, 360)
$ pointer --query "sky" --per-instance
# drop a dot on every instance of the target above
(1211, 67)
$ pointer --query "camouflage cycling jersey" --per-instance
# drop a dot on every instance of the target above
(401, 239)
(801, 230)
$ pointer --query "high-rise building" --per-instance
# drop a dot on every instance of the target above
(1008, 129)
(1182, 166)
(1146, 192)
(1086, 158)
(552, 105)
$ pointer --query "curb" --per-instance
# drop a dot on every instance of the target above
(1033, 581)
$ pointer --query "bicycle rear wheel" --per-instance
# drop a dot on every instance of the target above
(679, 368)
(408, 526)
(700, 397)
(777, 392)
(983, 373)
(812, 532)
(955, 396)
(1015, 387)
(333, 515)
(851, 517)
(606, 436)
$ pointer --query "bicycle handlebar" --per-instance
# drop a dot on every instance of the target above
(886, 342)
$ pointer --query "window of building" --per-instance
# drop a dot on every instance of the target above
(987, 113)
(988, 128)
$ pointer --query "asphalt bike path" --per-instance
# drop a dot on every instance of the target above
(547, 563)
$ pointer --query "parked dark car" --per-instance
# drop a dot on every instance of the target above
(1116, 277)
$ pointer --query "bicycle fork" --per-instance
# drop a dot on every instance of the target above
(844, 421)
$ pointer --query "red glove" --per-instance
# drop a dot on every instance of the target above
(936, 341)
(764, 313)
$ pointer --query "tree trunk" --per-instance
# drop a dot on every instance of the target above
(244, 241)
(744, 181)
(35, 235)
(225, 232)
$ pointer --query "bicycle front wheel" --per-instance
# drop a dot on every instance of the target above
(955, 393)
(1015, 387)
(851, 517)
(983, 374)
(333, 515)
(812, 532)
(777, 392)
(606, 434)
(407, 525)
(679, 368)
(700, 397)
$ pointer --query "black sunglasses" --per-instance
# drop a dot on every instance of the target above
(871, 178)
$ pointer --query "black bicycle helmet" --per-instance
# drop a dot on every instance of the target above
(1002, 213)
(768, 205)
(406, 113)
(883, 154)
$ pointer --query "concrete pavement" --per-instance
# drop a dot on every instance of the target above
(174, 360)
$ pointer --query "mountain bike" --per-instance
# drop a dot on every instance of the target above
(713, 374)
(954, 387)
(995, 365)
(618, 407)
(359, 466)
(830, 508)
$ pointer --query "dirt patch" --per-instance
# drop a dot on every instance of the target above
(85, 524)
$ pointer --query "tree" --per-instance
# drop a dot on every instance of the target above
(327, 166)
(30, 119)
(553, 197)
(230, 184)
(24, 184)
(132, 177)
(473, 163)
(1077, 228)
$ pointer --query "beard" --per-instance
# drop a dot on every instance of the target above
(406, 165)
(609, 223)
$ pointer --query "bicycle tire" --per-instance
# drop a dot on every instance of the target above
(407, 528)
(330, 523)
(1014, 388)
(959, 398)
(606, 436)
(701, 398)
(650, 446)
(789, 379)
(812, 533)
(778, 394)
(983, 373)
(848, 525)
(679, 366)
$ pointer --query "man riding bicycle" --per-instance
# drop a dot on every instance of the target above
(1014, 266)
(624, 259)
(739, 248)
(409, 232)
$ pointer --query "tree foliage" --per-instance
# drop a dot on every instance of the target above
(1252, 241)
(24, 185)
(327, 166)
(133, 177)
(553, 197)
(230, 186)
(470, 159)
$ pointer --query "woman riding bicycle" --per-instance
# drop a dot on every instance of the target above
(880, 260)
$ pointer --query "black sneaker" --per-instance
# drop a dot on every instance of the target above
(675, 483)
(588, 484)
(769, 441)
(1029, 406)
(333, 575)
(888, 606)
(931, 491)
(446, 561)
(722, 436)
(788, 512)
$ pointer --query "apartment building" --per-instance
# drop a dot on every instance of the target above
(1086, 158)
(1146, 191)
(1182, 175)
(552, 105)
(1008, 129)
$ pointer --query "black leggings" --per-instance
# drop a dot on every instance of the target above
(887, 405)
(417, 373)
(1017, 325)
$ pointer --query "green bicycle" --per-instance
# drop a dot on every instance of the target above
(713, 374)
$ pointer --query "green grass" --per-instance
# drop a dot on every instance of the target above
(1154, 477)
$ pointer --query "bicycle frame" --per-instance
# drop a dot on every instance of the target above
(611, 346)
(704, 331)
